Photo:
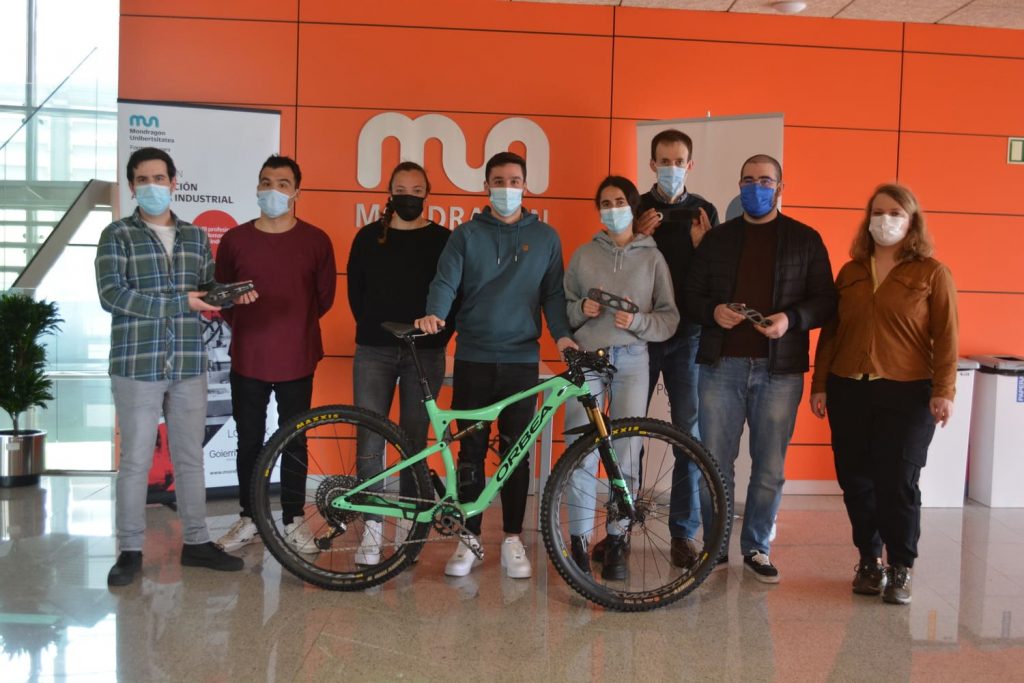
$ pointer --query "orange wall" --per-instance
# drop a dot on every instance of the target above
(864, 102)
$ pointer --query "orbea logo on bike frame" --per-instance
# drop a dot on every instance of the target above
(412, 136)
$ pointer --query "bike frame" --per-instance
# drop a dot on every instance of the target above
(561, 389)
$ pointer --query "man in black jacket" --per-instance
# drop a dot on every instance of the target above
(678, 220)
(752, 366)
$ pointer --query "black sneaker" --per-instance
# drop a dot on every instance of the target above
(580, 552)
(897, 589)
(684, 553)
(764, 570)
(616, 553)
(870, 578)
(210, 556)
(127, 567)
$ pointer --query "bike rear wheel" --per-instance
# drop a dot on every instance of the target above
(315, 458)
(578, 500)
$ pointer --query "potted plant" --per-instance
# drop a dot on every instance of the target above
(23, 383)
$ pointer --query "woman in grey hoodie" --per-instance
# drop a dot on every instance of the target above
(622, 262)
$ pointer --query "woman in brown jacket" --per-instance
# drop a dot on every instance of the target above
(885, 372)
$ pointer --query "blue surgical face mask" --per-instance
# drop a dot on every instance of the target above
(506, 200)
(272, 202)
(617, 219)
(671, 179)
(757, 200)
(153, 199)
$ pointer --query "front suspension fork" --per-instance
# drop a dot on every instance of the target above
(609, 459)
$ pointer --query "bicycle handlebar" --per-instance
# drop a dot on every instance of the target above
(581, 361)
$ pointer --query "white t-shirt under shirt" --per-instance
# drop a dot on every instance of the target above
(166, 235)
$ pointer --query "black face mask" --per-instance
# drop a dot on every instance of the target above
(407, 206)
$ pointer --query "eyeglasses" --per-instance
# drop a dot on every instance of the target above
(750, 314)
(763, 181)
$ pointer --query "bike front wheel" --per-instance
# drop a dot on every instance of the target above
(656, 457)
(318, 456)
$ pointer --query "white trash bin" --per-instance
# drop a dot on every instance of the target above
(997, 432)
(944, 478)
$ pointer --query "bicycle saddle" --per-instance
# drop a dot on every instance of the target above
(401, 330)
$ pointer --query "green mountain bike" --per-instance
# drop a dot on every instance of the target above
(408, 499)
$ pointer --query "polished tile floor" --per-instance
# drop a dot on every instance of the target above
(59, 621)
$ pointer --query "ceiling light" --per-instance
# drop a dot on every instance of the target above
(789, 7)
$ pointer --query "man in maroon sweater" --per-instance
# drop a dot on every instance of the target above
(275, 342)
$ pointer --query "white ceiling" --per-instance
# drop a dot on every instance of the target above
(991, 13)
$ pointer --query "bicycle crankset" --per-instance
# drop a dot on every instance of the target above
(448, 520)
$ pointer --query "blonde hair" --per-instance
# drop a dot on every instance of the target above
(917, 245)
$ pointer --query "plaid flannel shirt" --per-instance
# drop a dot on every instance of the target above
(154, 336)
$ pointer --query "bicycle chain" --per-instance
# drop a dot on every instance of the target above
(428, 539)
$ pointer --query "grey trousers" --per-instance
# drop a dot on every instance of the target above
(139, 406)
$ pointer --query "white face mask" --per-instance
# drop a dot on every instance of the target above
(888, 230)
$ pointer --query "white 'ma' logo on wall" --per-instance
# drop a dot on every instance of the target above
(412, 137)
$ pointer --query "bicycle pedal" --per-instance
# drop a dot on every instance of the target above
(477, 548)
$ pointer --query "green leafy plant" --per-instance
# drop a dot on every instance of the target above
(23, 380)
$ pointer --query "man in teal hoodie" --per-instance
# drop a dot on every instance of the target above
(507, 266)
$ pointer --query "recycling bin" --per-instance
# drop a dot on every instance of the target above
(996, 475)
(943, 480)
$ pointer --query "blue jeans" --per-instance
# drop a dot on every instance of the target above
(735, 390)
(627, 393)
(676, 360)
(375, 372)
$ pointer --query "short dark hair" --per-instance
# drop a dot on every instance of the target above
(279, 161)
(503, 159)
(150, 154)
(628, 189)
(764, 159)
(669, 136)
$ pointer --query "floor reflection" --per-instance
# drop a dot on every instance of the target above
(58, 620)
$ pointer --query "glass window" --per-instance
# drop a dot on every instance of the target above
(13, 55)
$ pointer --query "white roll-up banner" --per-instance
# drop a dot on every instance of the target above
(218, 153)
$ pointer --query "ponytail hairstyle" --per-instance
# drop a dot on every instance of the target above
(389, 210)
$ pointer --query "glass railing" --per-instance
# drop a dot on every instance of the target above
(46, 163)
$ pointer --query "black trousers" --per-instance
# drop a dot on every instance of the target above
(475, 385)
(881, 430)
(249, 401)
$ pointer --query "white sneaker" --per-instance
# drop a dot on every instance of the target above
(463, 560)
(514, 560)
(298, 535)
(369, 547)
(242, 533)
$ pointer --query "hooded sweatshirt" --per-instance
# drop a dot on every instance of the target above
(638, 271)
(506, 274)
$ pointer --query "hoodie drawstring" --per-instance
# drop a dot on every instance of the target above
(515, 254)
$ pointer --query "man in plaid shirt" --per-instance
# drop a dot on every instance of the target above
(149, 268)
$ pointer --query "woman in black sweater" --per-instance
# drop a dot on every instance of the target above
(389, 271)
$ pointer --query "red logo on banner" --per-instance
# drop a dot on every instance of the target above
(216, 223)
